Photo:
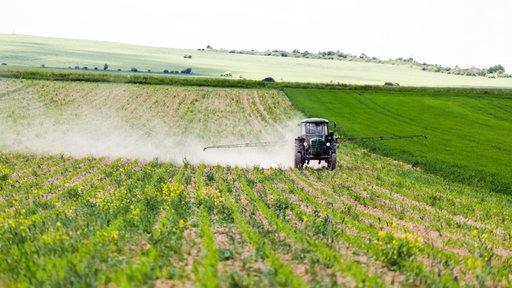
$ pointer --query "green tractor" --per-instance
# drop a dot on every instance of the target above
(316, 142)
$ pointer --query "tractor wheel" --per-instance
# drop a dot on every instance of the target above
(332, 163)
(298, 161)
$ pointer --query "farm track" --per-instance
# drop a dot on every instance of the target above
(104, 221)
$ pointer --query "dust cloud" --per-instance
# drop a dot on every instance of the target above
(100, 134)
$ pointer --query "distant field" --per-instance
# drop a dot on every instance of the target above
(469, 133)
(20, 50)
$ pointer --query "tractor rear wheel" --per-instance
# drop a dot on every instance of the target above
(332, 162)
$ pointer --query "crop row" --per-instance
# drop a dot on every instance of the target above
(177, 112)
(374, 222)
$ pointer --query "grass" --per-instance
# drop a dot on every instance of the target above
(468, 132)
(31, 51)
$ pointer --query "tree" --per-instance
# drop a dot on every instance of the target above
(497, 69)
(186, 71)
(105, 67)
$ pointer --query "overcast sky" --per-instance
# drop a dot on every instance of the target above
(447, 32)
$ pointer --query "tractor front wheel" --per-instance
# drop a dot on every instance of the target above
(298, 161)
(332, 162)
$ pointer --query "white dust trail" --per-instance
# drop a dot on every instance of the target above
(108, 136)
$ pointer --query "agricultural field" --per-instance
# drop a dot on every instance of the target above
(469, 131)
(32, 51)
(142, 121)
(101, 185)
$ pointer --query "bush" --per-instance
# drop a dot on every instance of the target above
(269, 79)
(186, 71)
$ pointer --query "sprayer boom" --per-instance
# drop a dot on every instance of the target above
(315, 143)
(378, 138)
(255, 144)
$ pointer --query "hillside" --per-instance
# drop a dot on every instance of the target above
(31, 51)
(106, 184)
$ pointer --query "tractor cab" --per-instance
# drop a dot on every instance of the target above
(315, 129)
(315, 142)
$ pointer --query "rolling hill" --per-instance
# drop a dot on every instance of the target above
(32, 51)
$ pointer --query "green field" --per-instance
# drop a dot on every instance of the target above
(31, 51)
(99, 187)
(469, 132)
(104, 181)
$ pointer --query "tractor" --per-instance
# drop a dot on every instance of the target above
(316, 142)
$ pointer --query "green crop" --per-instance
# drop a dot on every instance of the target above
(91, 221)
(468, 132)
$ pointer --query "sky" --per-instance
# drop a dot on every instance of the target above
(465, 33)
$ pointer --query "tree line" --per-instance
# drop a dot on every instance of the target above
(493, 72)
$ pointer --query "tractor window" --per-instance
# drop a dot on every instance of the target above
(315, 128)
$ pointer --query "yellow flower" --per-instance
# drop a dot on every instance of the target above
(114, 235)
(473, 263)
